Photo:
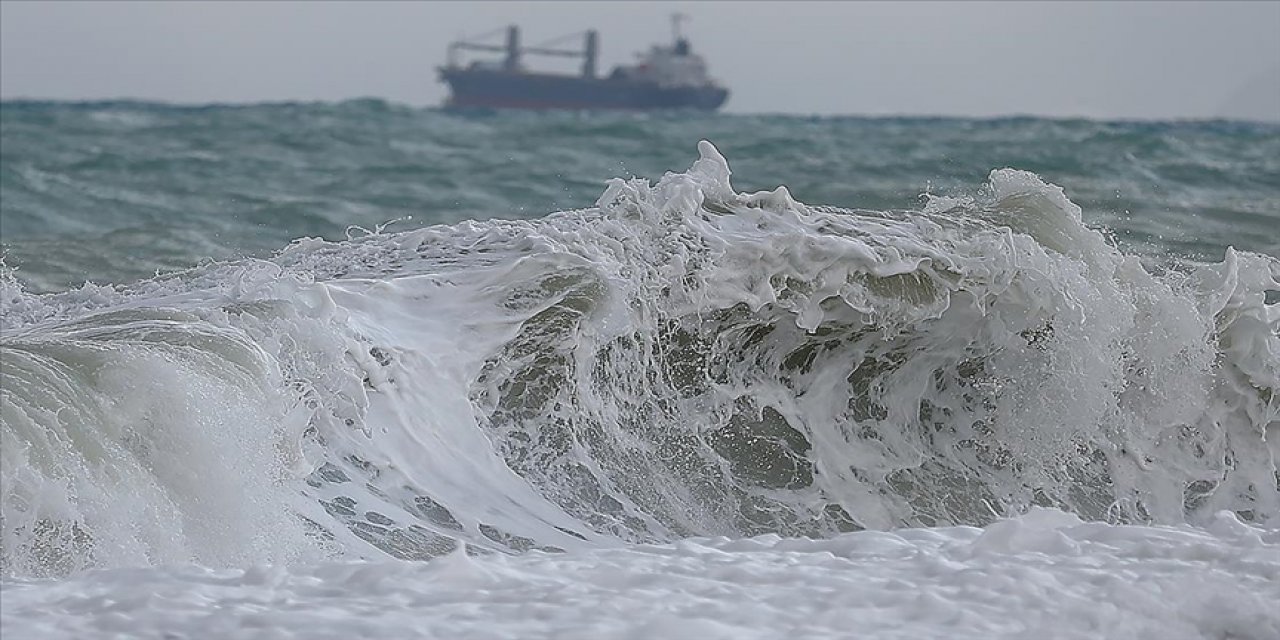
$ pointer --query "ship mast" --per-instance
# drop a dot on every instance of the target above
(676, 19)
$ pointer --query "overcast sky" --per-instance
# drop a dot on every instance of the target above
(1103, 60)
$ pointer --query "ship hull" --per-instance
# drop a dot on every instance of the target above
(497, 89)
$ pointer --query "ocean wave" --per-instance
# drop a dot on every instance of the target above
(681, 359)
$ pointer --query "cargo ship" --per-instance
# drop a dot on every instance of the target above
(665, 77)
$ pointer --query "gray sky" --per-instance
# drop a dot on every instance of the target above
(1104, 60)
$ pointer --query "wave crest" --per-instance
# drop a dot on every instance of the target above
(681, 359)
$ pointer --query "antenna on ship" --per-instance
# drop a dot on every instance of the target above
(681, 46)
(676, 19)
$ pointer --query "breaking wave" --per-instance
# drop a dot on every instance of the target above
(680, 360)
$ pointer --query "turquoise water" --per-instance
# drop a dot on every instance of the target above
(114, 192)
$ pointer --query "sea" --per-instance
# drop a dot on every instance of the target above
(361, 369)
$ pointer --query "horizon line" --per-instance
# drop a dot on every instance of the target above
(1013, 115)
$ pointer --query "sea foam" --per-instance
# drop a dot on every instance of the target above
(679, 360)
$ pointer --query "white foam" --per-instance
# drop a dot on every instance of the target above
(683, 360)
(1046, 574)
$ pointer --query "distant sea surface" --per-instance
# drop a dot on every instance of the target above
(113, 192)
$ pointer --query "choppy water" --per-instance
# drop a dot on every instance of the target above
(940, 336)
(156, 187)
